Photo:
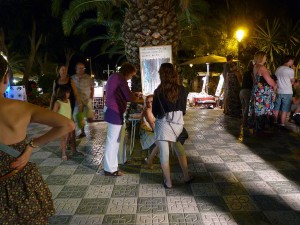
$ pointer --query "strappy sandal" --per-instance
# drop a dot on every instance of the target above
(165, 185)
(117, 173)
(64, 158)
(189, 180)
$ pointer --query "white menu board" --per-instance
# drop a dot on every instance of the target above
(151, 57)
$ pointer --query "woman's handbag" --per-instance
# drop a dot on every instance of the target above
(183, 136)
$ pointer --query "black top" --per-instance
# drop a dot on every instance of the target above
(179, 105)
(247, 80)
(72, 96)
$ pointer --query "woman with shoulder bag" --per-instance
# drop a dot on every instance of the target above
(169, 106)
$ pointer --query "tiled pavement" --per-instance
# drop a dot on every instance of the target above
(239, 180)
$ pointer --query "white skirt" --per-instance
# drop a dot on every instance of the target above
(169, 127)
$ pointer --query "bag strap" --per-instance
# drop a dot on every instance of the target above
(10, 151)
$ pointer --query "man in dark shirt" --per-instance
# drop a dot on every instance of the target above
(245, 92)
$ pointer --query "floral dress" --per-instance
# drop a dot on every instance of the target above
(261, 104)
(25, 198)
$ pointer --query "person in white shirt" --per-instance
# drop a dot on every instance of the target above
(285, 78)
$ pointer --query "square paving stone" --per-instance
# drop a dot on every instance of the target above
(151, 205)
(122, 206)
(211, 203)
(121, 219)
(92, 206)
(60, 219)
(185, 219)
(154, 219)
(270, 203)
(240, 203)
(125, 191)
(231, 188)
(57, 179)
(86, 219)
(72, 192)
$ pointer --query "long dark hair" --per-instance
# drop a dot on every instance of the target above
(168, 82)
(61, 92)
(4, 68)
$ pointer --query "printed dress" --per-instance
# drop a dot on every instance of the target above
(25, 198)
(261, 104)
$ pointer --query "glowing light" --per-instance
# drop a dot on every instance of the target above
(239, 35)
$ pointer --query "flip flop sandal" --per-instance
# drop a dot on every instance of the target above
(117, 173)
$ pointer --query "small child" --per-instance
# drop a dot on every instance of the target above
(62, 106)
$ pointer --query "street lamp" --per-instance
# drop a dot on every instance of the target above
(91, 70)
(239, 34)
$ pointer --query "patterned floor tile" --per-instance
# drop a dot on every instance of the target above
(152, 219)
(101, 179)
(271, 175)
(204, 189)
(182, 205)
(293, 200)
(223, 177)
(81, 169)
(245, 183)
(58, 219)
(64, 170)
(57, 179)
(151, 205)
(93, 206)
(86, 220)
(151, 190)
(258, 188)
(240, 203)
(225, 218)
(284, 187)
(270, 203)
(238, 166)
(122, 206)
(55, 190)
(211, 203)
(80, 179)
(121, 219)
(231, 188)
(128, 179)
(73, 191)
(283, 217)
(99, 191)
(125, 191)
(66, 206)
(250, 218)
(247, 176)
(185, 219)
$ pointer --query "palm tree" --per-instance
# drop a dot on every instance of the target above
(144, 23)
(277, 39)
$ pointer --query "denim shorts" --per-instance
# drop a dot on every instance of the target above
(283, 102)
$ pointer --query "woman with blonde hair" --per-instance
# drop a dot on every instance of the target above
(262, 98)
(169, 106)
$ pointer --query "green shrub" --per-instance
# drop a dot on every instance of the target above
(46, 82)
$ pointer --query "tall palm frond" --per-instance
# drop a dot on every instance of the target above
(269, 38)
(78, 7)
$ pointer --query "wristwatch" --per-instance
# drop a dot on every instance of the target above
(31, 144)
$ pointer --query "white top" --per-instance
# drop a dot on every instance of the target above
(284, 75)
